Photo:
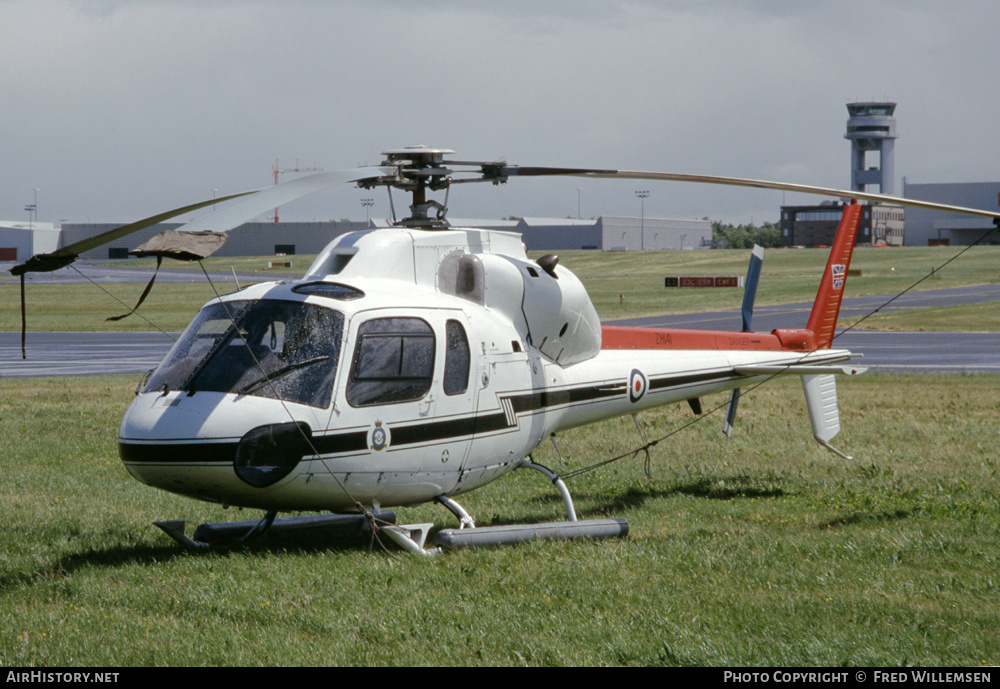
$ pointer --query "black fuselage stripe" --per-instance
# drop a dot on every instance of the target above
(672, 382)
(401, 436)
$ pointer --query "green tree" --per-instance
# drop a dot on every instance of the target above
(741, 236)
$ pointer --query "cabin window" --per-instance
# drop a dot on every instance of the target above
(462, 275)
(393, 362)
(268, 348)
(456, 359)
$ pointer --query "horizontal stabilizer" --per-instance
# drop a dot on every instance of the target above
(757, 370)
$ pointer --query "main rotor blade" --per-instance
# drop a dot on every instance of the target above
(525, 171)
(783, 186)
(263, 200)
(233, 215)
(59, 258)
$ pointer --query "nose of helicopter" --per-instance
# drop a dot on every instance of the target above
(211, 446)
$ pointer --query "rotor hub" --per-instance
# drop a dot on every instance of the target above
(420, 167)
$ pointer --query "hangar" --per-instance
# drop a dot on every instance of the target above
(19, 241)
(290, 238)
(610, 233)
(605, 233)
(934, 228)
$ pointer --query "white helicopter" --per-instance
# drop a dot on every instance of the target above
(421, 362)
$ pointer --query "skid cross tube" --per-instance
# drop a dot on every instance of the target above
(558, 482)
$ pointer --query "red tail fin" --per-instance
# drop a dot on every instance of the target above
(826, 308)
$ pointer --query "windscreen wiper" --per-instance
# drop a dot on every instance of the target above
(280, 372)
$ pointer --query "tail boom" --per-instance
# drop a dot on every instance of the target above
(818, 333)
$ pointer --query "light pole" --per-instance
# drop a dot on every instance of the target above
(578, 190)
(643, 195)
(367, 203)
(32, 208)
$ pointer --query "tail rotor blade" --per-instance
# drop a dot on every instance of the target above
(749, 296)
(750, 287)
(727, 425)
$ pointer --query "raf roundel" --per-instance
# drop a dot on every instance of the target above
(636, 385)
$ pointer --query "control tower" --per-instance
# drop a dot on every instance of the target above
(871, 127)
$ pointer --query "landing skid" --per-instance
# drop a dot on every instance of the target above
(412, 537)
(224, 533)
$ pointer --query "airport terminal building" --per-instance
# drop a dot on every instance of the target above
(810, 226)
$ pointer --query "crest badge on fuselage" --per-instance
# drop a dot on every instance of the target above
(378, 437)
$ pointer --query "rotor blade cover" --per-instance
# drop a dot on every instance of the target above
(182, 246)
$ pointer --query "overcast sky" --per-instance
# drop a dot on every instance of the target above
(115, 110)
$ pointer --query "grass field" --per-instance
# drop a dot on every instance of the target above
(621, 285)
(763, 549)
(760, 550)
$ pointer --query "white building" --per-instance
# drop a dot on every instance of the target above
(929, 228)
(19, 241)
(604, 233)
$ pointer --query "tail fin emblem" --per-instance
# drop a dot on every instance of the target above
(839, 273)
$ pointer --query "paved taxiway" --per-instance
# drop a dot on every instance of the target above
(65, 354)
(880, 350)
(100, 272)
(51, 354)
